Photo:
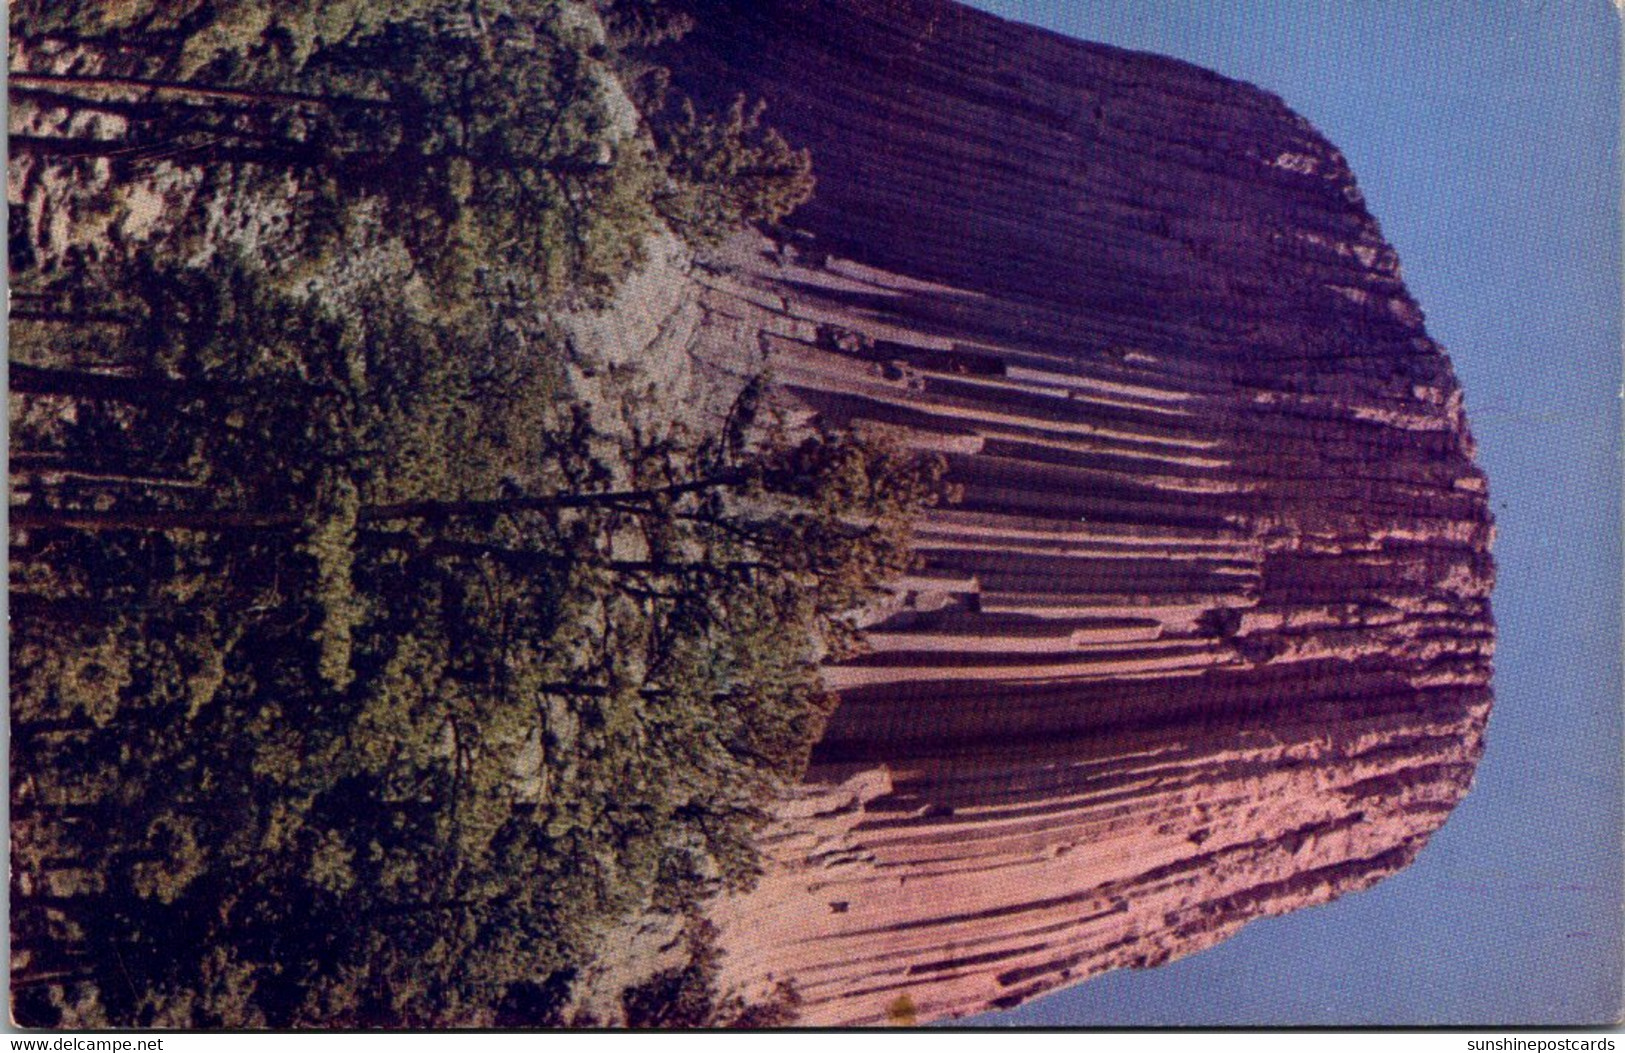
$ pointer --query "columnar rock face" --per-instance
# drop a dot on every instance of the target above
(1205, 635)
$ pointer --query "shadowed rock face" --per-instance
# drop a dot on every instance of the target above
(1208, 635)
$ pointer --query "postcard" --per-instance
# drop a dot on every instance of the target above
(814, 514)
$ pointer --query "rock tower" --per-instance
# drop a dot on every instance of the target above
(1206, 635)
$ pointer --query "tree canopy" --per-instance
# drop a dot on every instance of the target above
(364, 673)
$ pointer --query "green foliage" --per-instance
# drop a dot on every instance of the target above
(644, 23)
(687, 996)
(728, 171)
(484, 142)
(331, 543)
(362, 676)
(515, 154)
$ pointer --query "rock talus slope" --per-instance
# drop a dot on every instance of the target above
(1207, 635)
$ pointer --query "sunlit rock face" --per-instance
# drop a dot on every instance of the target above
(1206, 636)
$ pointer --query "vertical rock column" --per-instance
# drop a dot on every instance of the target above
(1206, 635)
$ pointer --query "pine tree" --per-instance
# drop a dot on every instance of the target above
(362, 677)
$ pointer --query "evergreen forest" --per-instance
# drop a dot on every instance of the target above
(378, 653)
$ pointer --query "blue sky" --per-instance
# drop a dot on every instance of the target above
(1485, 135)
